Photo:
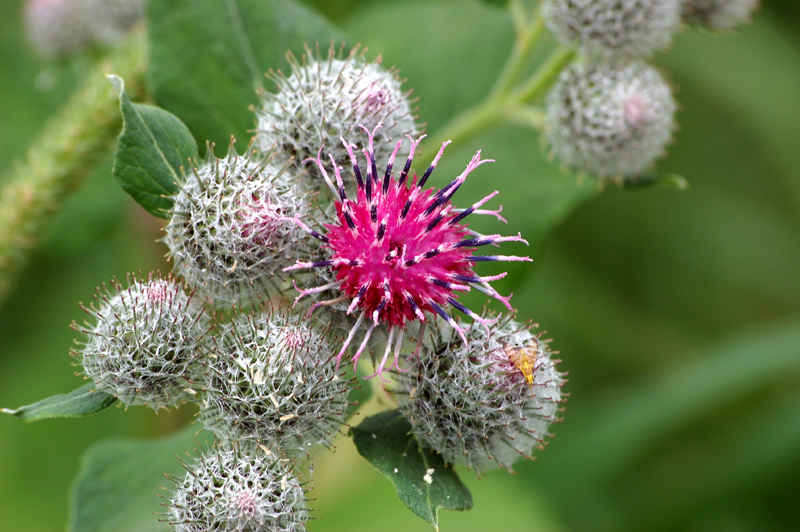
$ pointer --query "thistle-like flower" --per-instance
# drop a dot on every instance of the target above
(232, 491)
(144, 342)
(325, 99)
(271, 383)
(231, 230)
(620, 28)
(399, 250)
(717, 14)
(485, 403)
(612, 119)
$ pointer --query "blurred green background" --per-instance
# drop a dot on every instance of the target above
(677, 314)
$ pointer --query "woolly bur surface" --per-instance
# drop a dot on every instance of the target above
(272, 383)
(474, 404)
(143, 341)
(612, 119)
(227, 491)
(622, 28)
(324, 99)
(230, 233)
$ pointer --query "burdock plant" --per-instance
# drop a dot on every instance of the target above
(329, 236)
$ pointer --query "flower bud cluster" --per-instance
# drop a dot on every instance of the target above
(393, 257)
(484, 403)
(233, 491)
(611, 114)
(143, 341)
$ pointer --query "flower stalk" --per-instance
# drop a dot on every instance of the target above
(60, 158)
(505, 98)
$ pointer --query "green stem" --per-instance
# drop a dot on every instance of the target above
(532, 117)
(470, 123)
(544, 77)
(60, 158)
(500, 107)
(527, 37)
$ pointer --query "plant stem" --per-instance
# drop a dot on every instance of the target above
(532, 117)
(544, 76)
(501, 107)
(525, 41)
(58, 161)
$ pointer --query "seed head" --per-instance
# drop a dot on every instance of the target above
(271, 383)
(230, 491)
(144, 342)
(399, 251)
(619, 28)
(612, 119)
(231, 231)
(718, 14)
(485, 403)
(326, 98)
(57, 28)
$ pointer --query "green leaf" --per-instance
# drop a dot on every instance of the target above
(636, 419)
(153, 148)
(81, 402)
(116, 487)
(423, 481)
(208, 57)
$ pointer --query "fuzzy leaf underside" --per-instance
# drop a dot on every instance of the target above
(423, 481)
(208, 57)
(81, 402)
(152, 149)
(117, 485)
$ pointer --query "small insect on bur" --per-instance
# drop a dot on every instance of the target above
(524, 359)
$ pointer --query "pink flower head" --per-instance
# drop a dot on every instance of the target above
(401, 252)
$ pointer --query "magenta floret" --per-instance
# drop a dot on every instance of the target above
(399, 251)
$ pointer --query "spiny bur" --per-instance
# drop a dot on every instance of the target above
(326, 98)
(231, 491)
(271, 382)
(231, 231)
(143, 342)
(611, 119)
(485, 403)
(613, 28)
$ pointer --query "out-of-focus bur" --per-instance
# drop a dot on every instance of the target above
(271, 384)
(611, 119)
(718, 14)
(58, 28)
(483, 404)
(144, 342)
(324, 99)
(232, 491)
(231, 230)
(625, 28)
